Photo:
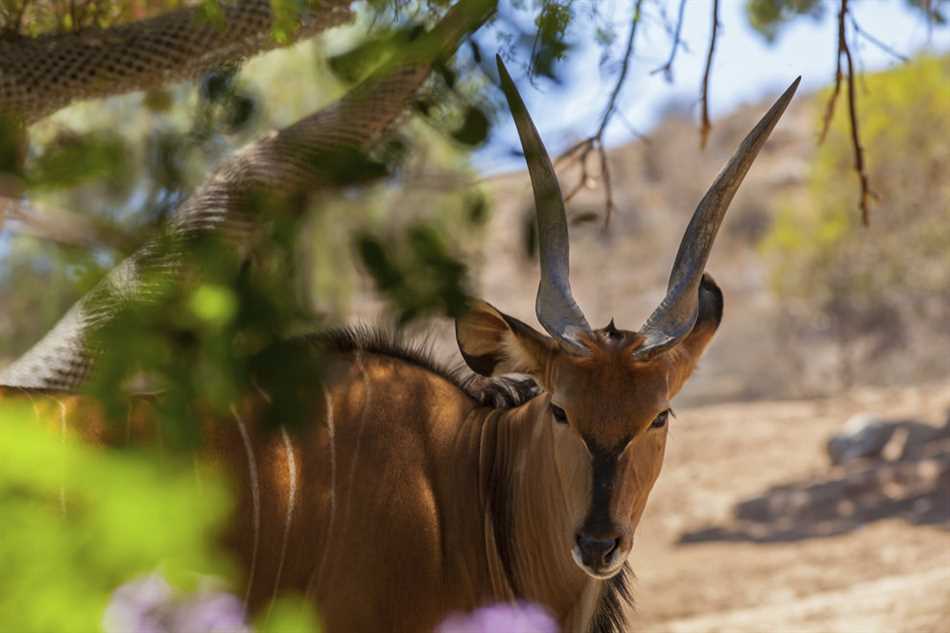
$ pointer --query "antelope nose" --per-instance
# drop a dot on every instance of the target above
(596, 550)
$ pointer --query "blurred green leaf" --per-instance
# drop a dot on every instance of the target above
(551, 45)
(289, 615)
(214, 304)
(768, 17)
(474, 128)
(212, 12)
(75, 159)
(66, 567)
(358, 62)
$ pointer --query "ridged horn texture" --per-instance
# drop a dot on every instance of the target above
(555, 306)
(676, 315)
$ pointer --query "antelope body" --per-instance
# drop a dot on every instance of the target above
(407, 498)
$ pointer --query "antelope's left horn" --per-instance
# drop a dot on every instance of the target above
(555, 306)
(676, 315)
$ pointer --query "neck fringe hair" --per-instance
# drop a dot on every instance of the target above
(611, 614)
(503, 392)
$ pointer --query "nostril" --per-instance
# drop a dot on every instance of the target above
(596, 551)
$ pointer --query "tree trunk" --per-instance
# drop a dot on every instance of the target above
(297, 160)
(41, 75)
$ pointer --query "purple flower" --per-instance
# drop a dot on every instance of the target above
(150, 605)
(209, 613)
(521, 617)
(137, 605)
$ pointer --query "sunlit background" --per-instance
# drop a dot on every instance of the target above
(806, 480)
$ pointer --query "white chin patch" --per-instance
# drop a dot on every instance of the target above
(605, 573)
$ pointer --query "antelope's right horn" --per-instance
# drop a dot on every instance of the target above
(676, 315)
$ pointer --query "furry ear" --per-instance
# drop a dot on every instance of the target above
(493, 343)
(708, 319)
(691, 348)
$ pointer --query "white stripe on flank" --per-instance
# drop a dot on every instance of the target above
(367, 399)
(291, 503)
(331, 430)
(255, 499)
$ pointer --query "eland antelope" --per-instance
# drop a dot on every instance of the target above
(409, 498)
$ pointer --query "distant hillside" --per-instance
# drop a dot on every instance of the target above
(622, 273)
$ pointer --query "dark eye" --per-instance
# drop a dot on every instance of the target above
(660, 421)
(558, 414)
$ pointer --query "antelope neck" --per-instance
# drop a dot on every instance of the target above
(528, 512)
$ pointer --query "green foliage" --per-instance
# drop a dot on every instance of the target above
(372, 52)
(552, 22)
(289, 615)
(869, 285)
(769, 16)
(420, 278)
(74, 159)
(34, 17)
(932, 9)
(206, 340)
(287, 15)
(12, 141)
(63, 569)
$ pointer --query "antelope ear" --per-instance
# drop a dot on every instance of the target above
(707, 321)
(493, 343)
(691, 348)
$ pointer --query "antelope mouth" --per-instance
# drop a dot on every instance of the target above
(604, 571)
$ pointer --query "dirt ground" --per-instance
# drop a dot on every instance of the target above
(751, 529)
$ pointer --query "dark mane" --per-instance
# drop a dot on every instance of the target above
(503, 392)
(611, 613)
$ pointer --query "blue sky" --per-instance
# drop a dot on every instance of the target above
(746, 68)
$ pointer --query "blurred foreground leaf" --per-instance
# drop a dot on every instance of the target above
(125, 516)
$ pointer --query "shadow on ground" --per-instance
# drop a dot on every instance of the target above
(914, 486)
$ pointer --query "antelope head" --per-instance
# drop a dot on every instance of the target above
(607, 392)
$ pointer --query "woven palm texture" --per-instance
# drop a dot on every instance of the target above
(288, 161)
(41, 75)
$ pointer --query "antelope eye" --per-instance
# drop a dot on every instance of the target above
(558, 414)
(660, 421)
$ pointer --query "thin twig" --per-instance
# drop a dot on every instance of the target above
(667, 68)
(608, 189)
(571, 152)
(581, 151)
(859, 167)
(881, 45)
(928, 7)
(844, 53)
(624, 68)
(833, 99)
(705, 125)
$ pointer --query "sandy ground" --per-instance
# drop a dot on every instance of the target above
(751, 529)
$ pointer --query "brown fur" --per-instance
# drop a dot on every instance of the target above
(408, 499)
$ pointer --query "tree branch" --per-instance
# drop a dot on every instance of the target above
(877, 42)
(581, 152)
(705, 125)
(302, 159)
(667, 68)
(844, 53)
(41, 75)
